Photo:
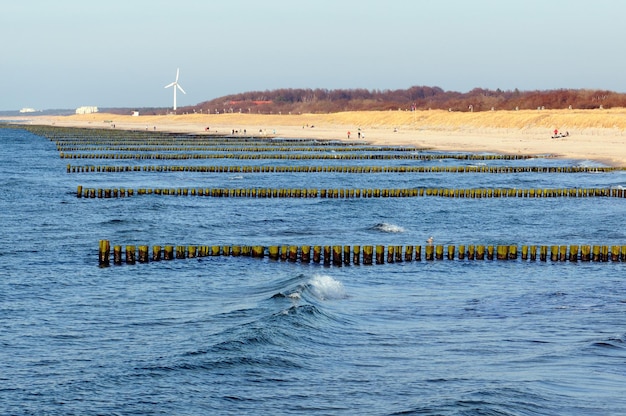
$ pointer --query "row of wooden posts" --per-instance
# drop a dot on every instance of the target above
(339, 169)
(338, 255)
(353, 193)
(194, 147)
(256, 156)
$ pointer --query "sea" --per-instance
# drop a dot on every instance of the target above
(226, 335)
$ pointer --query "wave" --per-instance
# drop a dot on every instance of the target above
(388, 228)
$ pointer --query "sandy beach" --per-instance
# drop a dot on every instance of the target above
(598, 135)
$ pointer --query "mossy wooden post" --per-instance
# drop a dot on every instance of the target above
(130, 254)
(513, 252)
(390, 254)
(614, 253)
(168, 253)
(430, 252)
(79, 191)
(284, 252)
(156, 253)
(181, 252)
(258, 251)
(273, 252)
(117, 255)
(471, 252)
(293, 253)
(104, 253)
(337, 259)
(605, 252)
(524, 252)
(562, 253)
(461, 253)
(490, 252)
(573, 253)
(327, 255)
(368, 254)
(380, 254)
(305, 254)
(346, 255)
(595, 253)
(317, 254)
(439, 252)
(246, 251)
(480, 252)
(192, 252)
(533, 253)
(398, 251)
(502, 252)
(451, 252)
(418, 253)
(622, 256)
(143, 254)
(408, 253)
(543, 253)
(225, 250)
(356, 255)
(236, 251)
(215, 251)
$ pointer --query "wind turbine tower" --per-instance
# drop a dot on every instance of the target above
(176, 86)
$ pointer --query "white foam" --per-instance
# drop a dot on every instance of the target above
(324, 287)
(389, 228)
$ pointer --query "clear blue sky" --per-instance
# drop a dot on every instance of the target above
(121, 53)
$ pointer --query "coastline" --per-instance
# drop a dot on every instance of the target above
(598, 135)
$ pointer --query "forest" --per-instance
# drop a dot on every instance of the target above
(284, 101)
(323, 101)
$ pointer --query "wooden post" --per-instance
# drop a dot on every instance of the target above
(327, 255)
(305, 256)
(430, 252)
(317, 254)
(380, 254)
(450, 252)
(130, 254)
(368, 252)
(293, 253)
(143, 254)
(168, 254)
(156, 253)
(390, 254)
(533, 253)
(117, 255)
(346, 255)
(408, 253)
(104, 253)
(573, 253)
(356, 255)
(439, 252)
(273, 252)
(490, 252)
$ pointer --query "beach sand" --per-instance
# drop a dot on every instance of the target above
(598, 135)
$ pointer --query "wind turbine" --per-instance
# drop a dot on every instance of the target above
(176, 86)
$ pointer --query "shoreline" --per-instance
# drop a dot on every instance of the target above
(598, 135)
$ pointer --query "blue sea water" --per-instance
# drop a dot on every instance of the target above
(236, 336)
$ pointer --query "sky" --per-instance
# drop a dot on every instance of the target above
(64, 54)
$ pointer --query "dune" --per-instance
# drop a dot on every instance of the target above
(597, 135)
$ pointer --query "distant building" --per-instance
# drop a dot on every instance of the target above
(86, 110)
(134, 113)
(27, 110)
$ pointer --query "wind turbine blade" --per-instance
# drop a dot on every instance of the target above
(181, 88)
(170, 85)
(177, 71)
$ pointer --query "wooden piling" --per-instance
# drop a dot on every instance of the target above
(168, 253)
(293, 253)
(408, 253)
(480, 252)
(104, 253)
(337, 259)
(117, 255)
(533, 253)
(143, 254)
(317, 254)
(130, 254)
(461, 252)
(573, 253)
(451, 250)
(305, 256)
(380, 254)
(258, 251)
(327, 255)
(356, 255)
(390, 254)
(368, 253)
(430, 252)
(273, 252)
(181, 252)
(156, 253)
(490, 252)
(543, 253)
(439, 252)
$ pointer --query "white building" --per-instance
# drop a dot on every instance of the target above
(86, 110)
(27, 110)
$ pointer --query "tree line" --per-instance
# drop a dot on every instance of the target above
(320, 100)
